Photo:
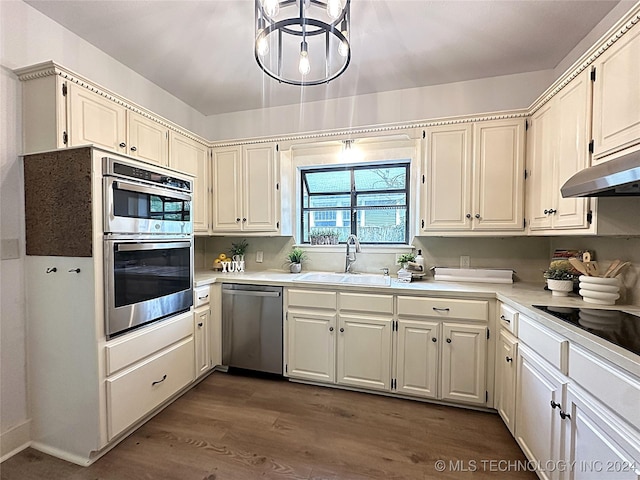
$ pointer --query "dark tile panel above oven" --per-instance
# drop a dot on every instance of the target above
(58, 203)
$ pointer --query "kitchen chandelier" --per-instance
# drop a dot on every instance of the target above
(303, 42)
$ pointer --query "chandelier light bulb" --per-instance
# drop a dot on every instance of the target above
(271, 7)
(334, 8)
(304, 67)
(343, 48)
(263, 46)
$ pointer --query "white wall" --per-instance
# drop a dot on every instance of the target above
(508, 92)
(28, 37)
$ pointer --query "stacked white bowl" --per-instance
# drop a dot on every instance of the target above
(600, 290)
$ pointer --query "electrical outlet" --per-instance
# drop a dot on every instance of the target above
(465, 261)
(259, 256)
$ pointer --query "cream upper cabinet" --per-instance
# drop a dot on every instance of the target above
(447, 178)
(95, 120)
(245, 189)
(559, 147)
(616, 96)
(148, 139)
(474, 177)
(498, 175)
(190, 156)
(417, 358)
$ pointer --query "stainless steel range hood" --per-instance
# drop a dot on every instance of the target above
(615, 178)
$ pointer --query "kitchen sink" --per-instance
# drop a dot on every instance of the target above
(346, 278)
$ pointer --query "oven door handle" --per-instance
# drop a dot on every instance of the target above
(134, 187)
(131, 247)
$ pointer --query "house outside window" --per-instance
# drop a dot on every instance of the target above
(370, 201)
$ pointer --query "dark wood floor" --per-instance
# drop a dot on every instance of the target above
(235, 427)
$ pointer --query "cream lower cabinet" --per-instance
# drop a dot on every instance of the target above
(202, 330)
(540, 403)
(440, 359)
(246, 189)
(505, 390)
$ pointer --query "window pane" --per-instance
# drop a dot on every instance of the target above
(329, 201)
(328, 181)
(382, 225)
(382, 199)
(389, 178)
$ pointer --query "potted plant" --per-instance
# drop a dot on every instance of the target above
(239, 249)
(295, 258)
(559, 280)
(406, 258)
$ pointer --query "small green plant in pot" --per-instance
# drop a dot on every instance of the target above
(406, 258)
(559, 280)
(239, 248)
(295, 258)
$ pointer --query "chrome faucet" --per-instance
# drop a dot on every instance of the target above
(351, 256)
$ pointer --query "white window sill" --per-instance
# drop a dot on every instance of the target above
(373, 249)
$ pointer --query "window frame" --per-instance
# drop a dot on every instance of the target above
(353, 195)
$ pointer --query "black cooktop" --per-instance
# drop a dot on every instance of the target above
(618, 327)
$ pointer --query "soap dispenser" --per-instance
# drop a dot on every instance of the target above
(420, 260)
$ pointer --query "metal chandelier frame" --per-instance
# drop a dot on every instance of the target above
(273, 31)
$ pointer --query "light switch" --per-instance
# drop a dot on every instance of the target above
(10, 249)
(259, 256)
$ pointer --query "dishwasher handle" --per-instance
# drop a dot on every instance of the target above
(251, 293)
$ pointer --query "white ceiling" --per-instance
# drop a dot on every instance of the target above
(202, 51)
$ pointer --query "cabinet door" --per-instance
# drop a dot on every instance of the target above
(201, 339)
(506, 378)
(542, 141)
(597, 442)
(464, 360)
(417, 358)
(260, 188)
(95, 120)
(364, 352)
(227, 195)
(573, 130)
(190, 156)
(311, 343)
(539, 400)
(447, 188)
(498, 183)
(148, 140)
(616, 95)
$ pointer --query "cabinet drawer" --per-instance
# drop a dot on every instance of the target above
(201, 296)
(312, 299)
(363, 302)
(508, 318)
(617, 389)
(444, 308)
(131, 348)
(549, 345)
(136, 392)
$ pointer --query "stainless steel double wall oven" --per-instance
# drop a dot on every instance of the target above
(148, 244)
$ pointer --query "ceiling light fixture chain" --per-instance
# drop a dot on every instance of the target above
(303, 42)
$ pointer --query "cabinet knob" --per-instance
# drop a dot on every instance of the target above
(434, 339)
(341, 330)
(331, 329)
(508, 359)
(238, 219)
(133, 149)
(468, 215)
(564, 415)
(122, 145)
(554, 404)
(477, 215)
(552, 211)
(200, 324)
(244, 219)
(448, 340)
(546, 212)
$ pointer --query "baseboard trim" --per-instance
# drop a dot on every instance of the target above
(56, 452)
(15, 440)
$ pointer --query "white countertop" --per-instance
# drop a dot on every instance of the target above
(519, 295)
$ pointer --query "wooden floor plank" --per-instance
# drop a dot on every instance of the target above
(234, 427)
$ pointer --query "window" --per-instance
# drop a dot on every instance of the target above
(370, 201)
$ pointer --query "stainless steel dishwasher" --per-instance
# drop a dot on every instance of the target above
(252, 327)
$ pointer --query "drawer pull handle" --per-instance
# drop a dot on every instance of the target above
(203, 298)
(502, 317)
(564, 415)
(554, 404)
(441, 309)
(164, 377)
(508, 359)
